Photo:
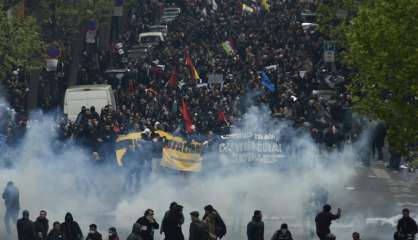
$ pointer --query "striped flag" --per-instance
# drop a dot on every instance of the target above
(193, 71)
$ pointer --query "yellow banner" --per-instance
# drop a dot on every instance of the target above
(182, 161)
(181, 155)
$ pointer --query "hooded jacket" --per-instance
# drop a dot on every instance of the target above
(136, 232)
(255, 229)
(71, 229)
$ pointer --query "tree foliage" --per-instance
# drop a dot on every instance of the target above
(382, 46)
(20, 43)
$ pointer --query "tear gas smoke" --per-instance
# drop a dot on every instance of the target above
(61, 179)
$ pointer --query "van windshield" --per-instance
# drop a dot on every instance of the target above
(150, 39)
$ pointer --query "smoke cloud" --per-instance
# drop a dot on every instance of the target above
(61, 178)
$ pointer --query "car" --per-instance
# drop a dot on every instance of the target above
(159, 28)
(150, 39)
(309, 27)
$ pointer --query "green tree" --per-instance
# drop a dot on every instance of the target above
(382, 46)
(20, 43)
(69, 19)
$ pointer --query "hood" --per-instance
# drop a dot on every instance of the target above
(69, 218)
(136, 228)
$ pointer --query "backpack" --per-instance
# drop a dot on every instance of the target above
(220, 227)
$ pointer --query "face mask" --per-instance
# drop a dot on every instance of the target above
(284, 231)
(92, 231)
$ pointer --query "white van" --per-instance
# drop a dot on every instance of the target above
(152, 38)
(87, 95)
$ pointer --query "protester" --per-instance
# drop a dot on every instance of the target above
(356, 236)
(71, 229)
(42, 226)
(148, 225)
(93, 233)
(173, 222)
(323, 222)
(113, 234)
(198, 229)
(216, 225)
(25, 227)
(407, 227)
(164, 222)
(12, 204)
(56, 233)
(283, 233)
(255, 228)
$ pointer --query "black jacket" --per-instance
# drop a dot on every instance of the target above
(323, 222)
(147, 228)
(198, 231)
(71, 229)
(407, 225)
(172, 225)
(56, 235)
(41, 228)
(94, 236)
(255, 230)
(25, 229)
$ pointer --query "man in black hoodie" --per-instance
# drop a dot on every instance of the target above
(41, 226)
(148, 225)
(71, 228)
(255, 228)
(25, 227)
(173, 222)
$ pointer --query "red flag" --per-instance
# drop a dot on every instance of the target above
(172, 82)
(188, 62)
(222, 118)
(186, 117)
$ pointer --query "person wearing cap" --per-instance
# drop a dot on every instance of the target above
(198, 229)
(25, 227)
(283, 233)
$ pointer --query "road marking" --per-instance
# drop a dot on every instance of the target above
(380, 173)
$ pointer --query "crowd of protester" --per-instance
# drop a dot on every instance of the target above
(210, 227)
(144, 98)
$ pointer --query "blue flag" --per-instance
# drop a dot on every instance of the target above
(265, 80)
